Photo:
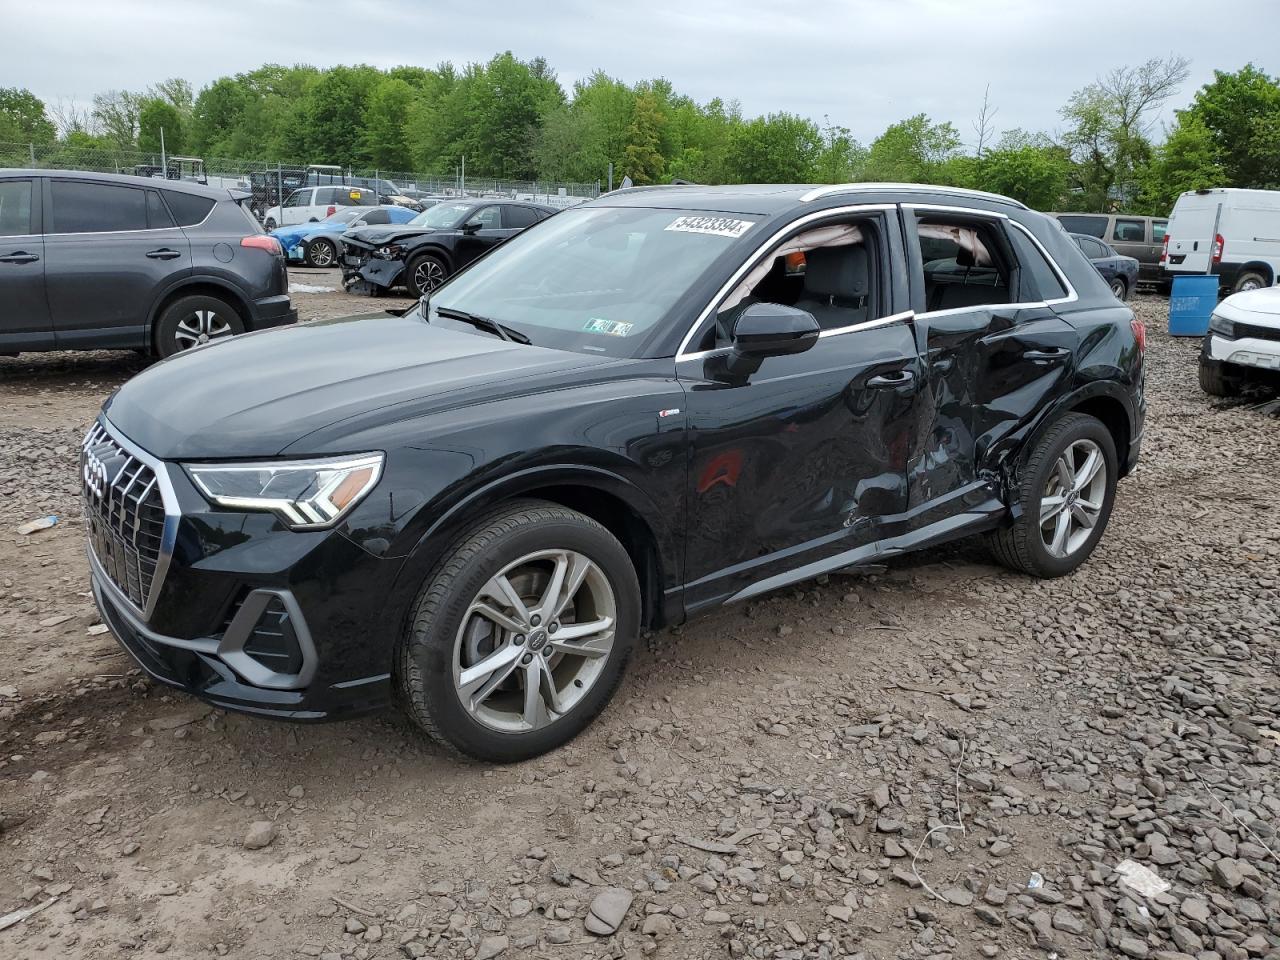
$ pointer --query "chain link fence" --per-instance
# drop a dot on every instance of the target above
(271, 182)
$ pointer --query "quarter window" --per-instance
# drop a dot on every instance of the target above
(97, 208)
(1037, 268)
(188, 209)
(15, 208)
(1129, 231)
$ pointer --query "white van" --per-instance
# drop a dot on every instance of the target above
(1245, 250)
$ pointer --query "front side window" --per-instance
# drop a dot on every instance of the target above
(962, 264)
(489, 218)
(597, 279)
(15, 208)
(1078, 223)
(299, 198)
(1129, 231)
(80, 207)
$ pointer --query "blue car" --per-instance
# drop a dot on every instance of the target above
(315, 243)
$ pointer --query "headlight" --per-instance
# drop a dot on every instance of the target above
(307, 495)
(1221, 325)
(391, 252)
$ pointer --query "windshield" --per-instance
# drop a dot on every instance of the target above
(441, 215)
(594, 280)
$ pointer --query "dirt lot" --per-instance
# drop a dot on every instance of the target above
(773, 781)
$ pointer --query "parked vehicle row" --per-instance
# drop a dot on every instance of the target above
(317, 243)
(1141, 238)
(92, 261)
(634, 412)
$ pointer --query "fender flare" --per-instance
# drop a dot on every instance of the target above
(433, 248)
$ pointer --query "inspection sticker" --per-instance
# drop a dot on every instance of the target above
(611, 328)
(716, 226)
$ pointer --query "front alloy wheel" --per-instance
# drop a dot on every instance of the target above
(521, 634)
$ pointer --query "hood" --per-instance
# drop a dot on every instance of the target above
(256, 394)
(1265, 301)
(292, 234)
(378, 236)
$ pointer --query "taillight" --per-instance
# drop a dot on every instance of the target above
(1164, 250)
(1217, 248)
(331, 211)
(260, 241)
(1139, 334)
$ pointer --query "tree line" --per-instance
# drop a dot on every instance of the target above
(512, 118)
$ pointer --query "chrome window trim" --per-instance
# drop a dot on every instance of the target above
(751, 260)
(837, 188)
(1071, 296)
(172, 514)
(905, 315)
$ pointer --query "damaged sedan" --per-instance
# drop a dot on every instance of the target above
(430, 248)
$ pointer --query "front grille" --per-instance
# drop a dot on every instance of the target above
(1258, 332)
(124, 514)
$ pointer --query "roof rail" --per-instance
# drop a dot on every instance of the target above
(837, 188)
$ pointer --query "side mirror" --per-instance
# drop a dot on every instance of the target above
(471, 227)
(767, 330)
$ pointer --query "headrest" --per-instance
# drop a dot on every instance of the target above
(839, 272)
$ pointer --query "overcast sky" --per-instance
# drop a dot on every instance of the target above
(864, 63)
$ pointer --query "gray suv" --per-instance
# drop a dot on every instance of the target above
(99, 261)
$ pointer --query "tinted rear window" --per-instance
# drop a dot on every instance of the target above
(15, 208)
(96, 207)
(1093, 226)
(519, 217)
(187, 208)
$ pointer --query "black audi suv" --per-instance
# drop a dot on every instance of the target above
(641, 409)
(93, 261)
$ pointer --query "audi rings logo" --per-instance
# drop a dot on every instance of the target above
(95, 474)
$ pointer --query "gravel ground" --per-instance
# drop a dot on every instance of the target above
(934, 759)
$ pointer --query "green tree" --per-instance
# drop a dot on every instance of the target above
(1026, 167)
(1187, 160)
(384, 141)
(841, 159)
(23, 118)
(644, 160)
(912, 151)
(779, 148)
(330, 116)
(157, 115)
(115, 112)
(1241, 111)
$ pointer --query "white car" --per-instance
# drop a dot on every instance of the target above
(313, 204)
(1243, 343)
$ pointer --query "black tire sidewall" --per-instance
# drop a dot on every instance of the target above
(412, 266)
(1120, 289)
(1240, 280)
(1081, 428)
(166, 325)
(433, 648)
(310, 254)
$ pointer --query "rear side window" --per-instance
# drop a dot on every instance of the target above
(962, 265)
(519, 217)
(96, 207)
(1158, 228)
(157, 213)
(1034, 263)
(1129, 231)
(188, 209)
(1093, 226)
(15, 208)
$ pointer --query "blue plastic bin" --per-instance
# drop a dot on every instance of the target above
(1191, 304)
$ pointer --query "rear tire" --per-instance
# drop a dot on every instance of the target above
(461, 670)
(424, 273)
(192, 321)
(1120, 289)
(1249, 280)
(1215, 381)
(321, 254)
(1062, 507)
(269, 224)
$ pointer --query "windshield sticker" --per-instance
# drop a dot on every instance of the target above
(715, 226)
(610, 328)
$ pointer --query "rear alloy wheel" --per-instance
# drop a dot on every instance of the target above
(1249, 280)
(321, 253)
(1065, 493)
(1119, 289)
(424, 273)
(193, 321)
(521, 638)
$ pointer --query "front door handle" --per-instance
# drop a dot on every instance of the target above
(1046, 356)
(19, 256)
(164, 253)
(899, 378)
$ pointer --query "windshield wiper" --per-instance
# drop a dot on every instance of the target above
(484, 323)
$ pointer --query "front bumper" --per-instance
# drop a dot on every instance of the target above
(249, 615)
(1254, 352)
(356, 265)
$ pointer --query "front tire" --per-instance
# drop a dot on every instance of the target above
(192, 321)
(424, 273)
(1215, 381)
(321, 254)
(520, 637)
(1064, 497)
(1249, 280)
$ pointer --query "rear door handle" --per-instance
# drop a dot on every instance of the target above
(1044, 356)
(163, 254)
(19, 256)
(898, 378)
